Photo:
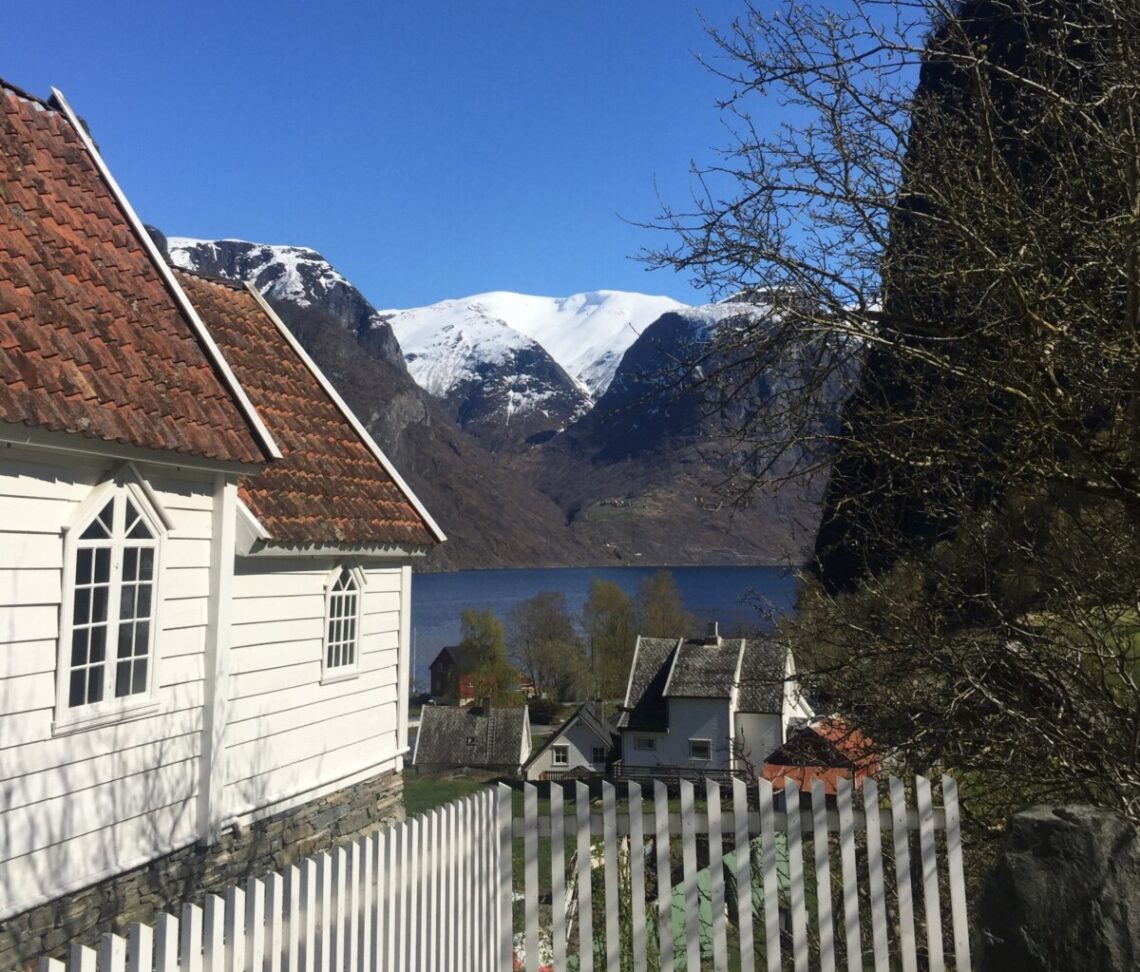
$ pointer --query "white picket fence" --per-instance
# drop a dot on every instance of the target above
(437, 893)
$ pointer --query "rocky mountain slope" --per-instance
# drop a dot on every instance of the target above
(507, 444)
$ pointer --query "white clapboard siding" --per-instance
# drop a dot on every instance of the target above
(30, 658)
(31, 551)
(438, 892)
(28, 585)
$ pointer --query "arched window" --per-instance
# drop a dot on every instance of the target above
(342, 622)
(108, 625)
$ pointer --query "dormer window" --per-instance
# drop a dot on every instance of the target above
(107, 629)
(342, 622)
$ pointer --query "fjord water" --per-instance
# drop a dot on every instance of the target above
(738, 598)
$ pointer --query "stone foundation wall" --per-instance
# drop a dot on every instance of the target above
(188, 874)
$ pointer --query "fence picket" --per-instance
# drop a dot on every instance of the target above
(254, 925)
(368, 881)
(386, 933)
(822, 877)
(796, 875)
(612, 906)
(291, 920)
(166, 943)
(585, 898)
(689, 879)
(213, 936)
(411, 927)
(901, 836)
(530, 876)
(557, 877)
(81, 959)
(190, 940)
(351, 926)
(716, 878)
(743, 874)
(771, 878)
(956, 877)
(875, 888)
(930, 904)
(274, 921)
(235, 932)
(140, 948)
(850, 877)
(435, 898)
(504, 927)
(112, 953)
(45, 964)
(399, 912)
(637, 878)
(664, 877)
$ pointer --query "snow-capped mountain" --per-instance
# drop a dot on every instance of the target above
(586, 334)
(293, 275)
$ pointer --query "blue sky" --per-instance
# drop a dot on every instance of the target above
(429, 150)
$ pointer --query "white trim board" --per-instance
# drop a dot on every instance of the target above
(212, 350)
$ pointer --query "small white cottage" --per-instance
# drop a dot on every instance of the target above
(582, 746)
(705, 707)
(204, 565)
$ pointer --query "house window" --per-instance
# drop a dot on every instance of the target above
(598, 755)
(108, 626)
(560, 755)
(700, 749)
(342, 622)
(644, 743)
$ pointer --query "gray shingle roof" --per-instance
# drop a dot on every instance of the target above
(666, 668)
(644, 706)
(451, 736)
(704, 671)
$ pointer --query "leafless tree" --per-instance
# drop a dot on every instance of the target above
(947, 196)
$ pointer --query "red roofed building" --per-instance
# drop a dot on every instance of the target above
(204, 565)
(825, 749)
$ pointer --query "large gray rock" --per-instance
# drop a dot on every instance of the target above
(1064, 894)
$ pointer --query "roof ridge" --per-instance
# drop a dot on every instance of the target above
(209, 278)
(49, 103)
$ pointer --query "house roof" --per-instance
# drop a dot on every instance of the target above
(586, 714)
(463, 659)
(644, 707)
(665, 668)
(329, 487)
(93, 339)
(451, 736)
(824, 749)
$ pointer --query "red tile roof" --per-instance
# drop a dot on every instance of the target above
(329, 488)
(826, 749)
(92, 340)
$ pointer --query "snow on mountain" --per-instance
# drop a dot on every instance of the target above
(586, 334)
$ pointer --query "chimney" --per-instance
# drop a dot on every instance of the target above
(713, 637)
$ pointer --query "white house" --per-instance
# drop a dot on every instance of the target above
(583, 744)
(204, 558)
(698, 707)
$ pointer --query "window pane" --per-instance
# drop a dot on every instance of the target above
(82, 605)
(99, 604)
(146, 563)
(83, 563)
(138, 685)
(102, 566)
(95, 683)
(98, 643)
(126, 633)
(142, 606)
(142, 637)
(77, 690)
(79, 638)
(100, 527)
(122, 679)
(130, 563)
(127, 602)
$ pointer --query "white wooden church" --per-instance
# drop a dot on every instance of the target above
(204, 558)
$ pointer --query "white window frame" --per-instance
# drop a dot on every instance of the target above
(595, 750)
(124, 483)
(645, 744)
(560, 750)
(706, 744)
(337, 673)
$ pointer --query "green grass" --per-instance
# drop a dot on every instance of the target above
(422, 793)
